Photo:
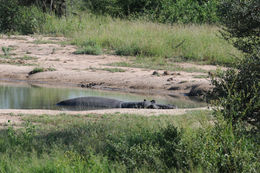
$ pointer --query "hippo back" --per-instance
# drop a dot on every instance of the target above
(91, 102)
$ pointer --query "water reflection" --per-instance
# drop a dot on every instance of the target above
(34, 97)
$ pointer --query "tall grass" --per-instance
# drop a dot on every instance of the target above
(145, 39)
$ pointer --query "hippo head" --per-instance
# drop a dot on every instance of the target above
(150, 104)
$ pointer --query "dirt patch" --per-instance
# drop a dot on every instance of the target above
(77, 70)
(6, 119)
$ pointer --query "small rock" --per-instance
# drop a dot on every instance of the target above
(155, 73)
(170, 79)
(165, 73)
(175, 74)
(174, 88)
(89, 85)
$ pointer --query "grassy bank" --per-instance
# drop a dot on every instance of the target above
(123, 143)
(161, 43)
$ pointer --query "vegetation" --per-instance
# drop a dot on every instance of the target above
(17, 18)
(165, 11)
(137, 36)
(41, 69)
(125, 143)
(238, 90)
(229, 142)
(6, 51)
(145, 39)
(242, 27)
(90, 48)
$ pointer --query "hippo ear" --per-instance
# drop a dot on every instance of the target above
(153, 101)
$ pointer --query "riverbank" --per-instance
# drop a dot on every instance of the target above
(14, 115)
(61, 67)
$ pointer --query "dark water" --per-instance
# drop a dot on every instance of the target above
(14, 96)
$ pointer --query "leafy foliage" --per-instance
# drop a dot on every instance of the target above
(14, 17)
(166, 11)
(219, 149)
(238, 90)
(241, 19)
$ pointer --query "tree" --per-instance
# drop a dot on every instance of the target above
(241, 19)
(237, 90)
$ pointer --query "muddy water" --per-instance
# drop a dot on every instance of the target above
(13, 96)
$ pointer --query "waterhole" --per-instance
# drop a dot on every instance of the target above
(13, 96)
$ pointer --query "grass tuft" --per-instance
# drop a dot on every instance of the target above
(41, 69)
(89, 50)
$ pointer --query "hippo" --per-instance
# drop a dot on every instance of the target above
(104, 103)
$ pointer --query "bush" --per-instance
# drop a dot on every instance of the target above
(156, 150)
(181, 11)
(238, 90)
(8, 15)
(30, 20)
(242, 23)
(16, 18)
(188, 11)
(219, 149)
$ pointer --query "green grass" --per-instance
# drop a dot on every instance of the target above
(156, 64)
(194, 43)
(123, 143)
(41, 69)
(36, 70)
(7, 51)
(89, 50)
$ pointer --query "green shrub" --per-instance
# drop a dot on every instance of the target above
(157, 150)
(238, 92)
(220, 149)
(8, 15)
(16, 18)
(181, 11)
(188, 11)
(30, 20)
(242, 23)
(169, 142)
(134, 150)
(22, 139)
